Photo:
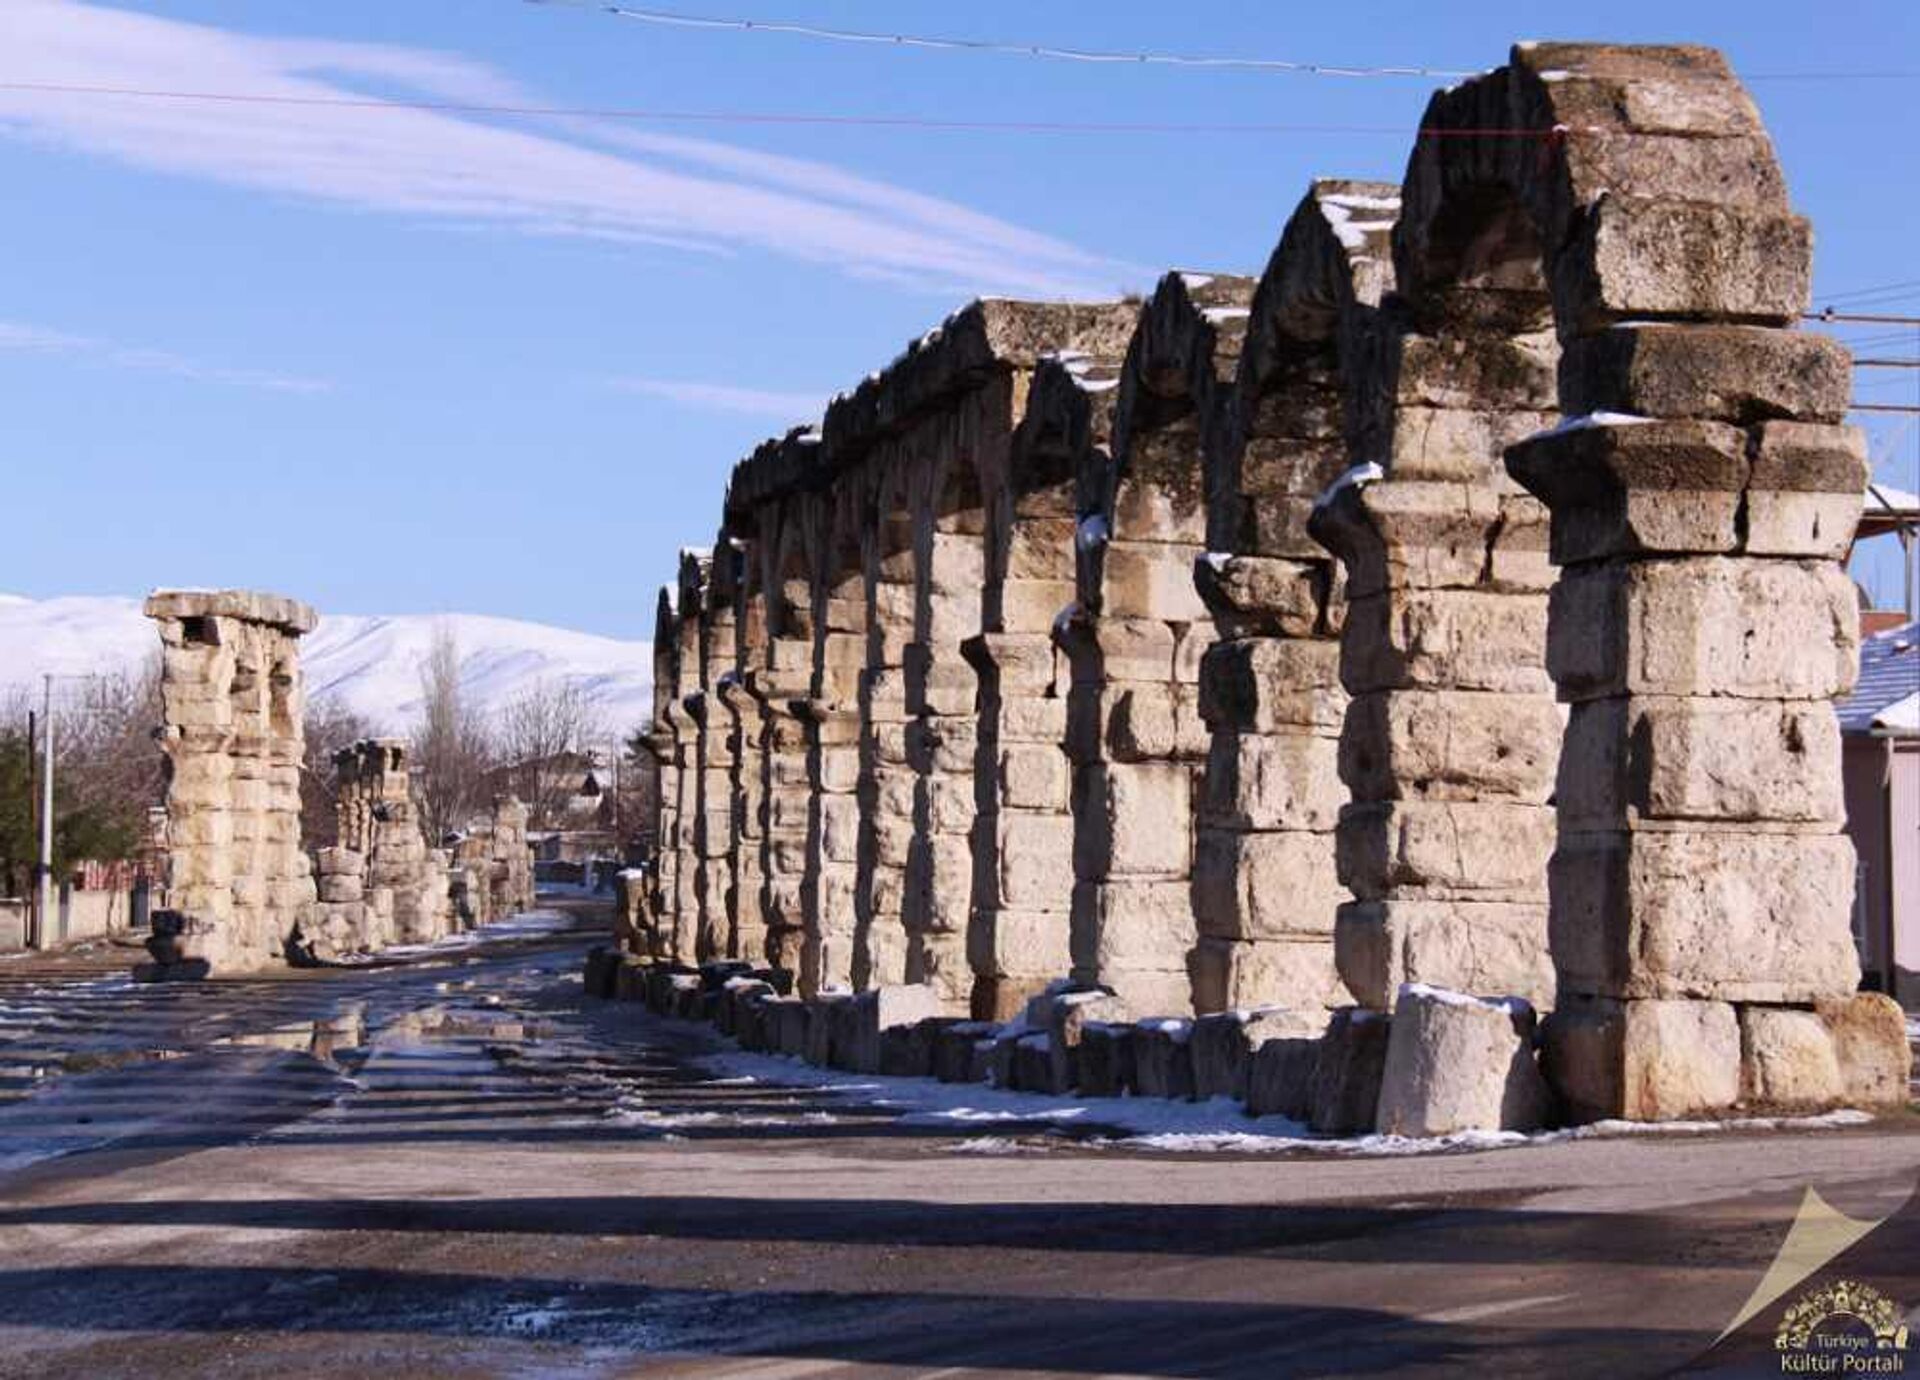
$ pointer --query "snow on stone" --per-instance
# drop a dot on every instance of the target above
(1351, 479)
(371, 664)
(1217, 315)
(1586, 421)
(1092, 532)
(1511, 1006)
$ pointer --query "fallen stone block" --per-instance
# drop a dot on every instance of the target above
(907, 1051)
(785, 1021)
(955, 1058)
(1033, 1068)
(1106, 1060)
(870, 1014)
(1346, 1076)
(630, 978)
(1064, 1016)
(820, 1016)
(715, 973)
(733, 999)
(1163, 1058)
(1460, 1063)
(1280, 1077)
(1222, 1046)
(602, 963)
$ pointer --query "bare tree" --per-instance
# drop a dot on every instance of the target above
(330, 726)
(452, 750)
(545, 735)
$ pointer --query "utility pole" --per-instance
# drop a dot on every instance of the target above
(44, 920)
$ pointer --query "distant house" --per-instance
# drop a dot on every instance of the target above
(1880, 737)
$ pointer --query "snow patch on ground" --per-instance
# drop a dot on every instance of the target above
(531, 924)
(1219, 1125)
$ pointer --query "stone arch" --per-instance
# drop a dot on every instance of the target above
(1265, 881)
(1136, 642)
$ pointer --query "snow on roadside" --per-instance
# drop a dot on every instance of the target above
(529, 924)
(1217, 1126)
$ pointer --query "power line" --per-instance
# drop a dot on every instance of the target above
(1111, 57)
(1006, 48)
(771, 117)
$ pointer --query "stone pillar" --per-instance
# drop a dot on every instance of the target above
(1135, 640)
(1019, 940)
(714, 833)
(949, 570)
(406, 880)
(663, 742)
(1703, 497)
(885, 787)
(1265, 882)
(1451, 736)
(689, 919)
(238, 880)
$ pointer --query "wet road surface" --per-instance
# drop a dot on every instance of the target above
(459, 1166)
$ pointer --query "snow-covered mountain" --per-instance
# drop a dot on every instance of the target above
(371, 664)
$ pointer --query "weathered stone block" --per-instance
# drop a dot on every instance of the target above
(1468, 639)
(1786, 1059)
(1802, 498)
(1755, 629)
(1265, 685)
(1633, 257)
(1642, 1060)
(1265, 886)
(1450, 746)
(1134, 820)
(1345, 1093)
(870, 1014)
(1272, 781)
(1869, 1034)
(1036, 862)
(1035, 777)
(1163, 1059)
(1106, 1060)
(1491, 848)
(1731, 917)
(1065, 1017)
(1636, 487)
(1397, 533)
(1492, 947)
(1655, 758)
(1738, 374)
(1137, 925)
(1280, 1077)
(1296, 973)
(956, 1051)
(1222, 1046)
(1460, 1063)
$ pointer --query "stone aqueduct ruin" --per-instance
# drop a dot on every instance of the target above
(1459, 603)
(242, 892)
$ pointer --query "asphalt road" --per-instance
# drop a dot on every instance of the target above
(460, 1167)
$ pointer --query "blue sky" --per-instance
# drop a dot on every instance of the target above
(423, 361)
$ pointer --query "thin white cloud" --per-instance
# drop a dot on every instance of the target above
(575, 176)
(19, 337)
(720, 397)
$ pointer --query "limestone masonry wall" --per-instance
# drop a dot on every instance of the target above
(1395, 690)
